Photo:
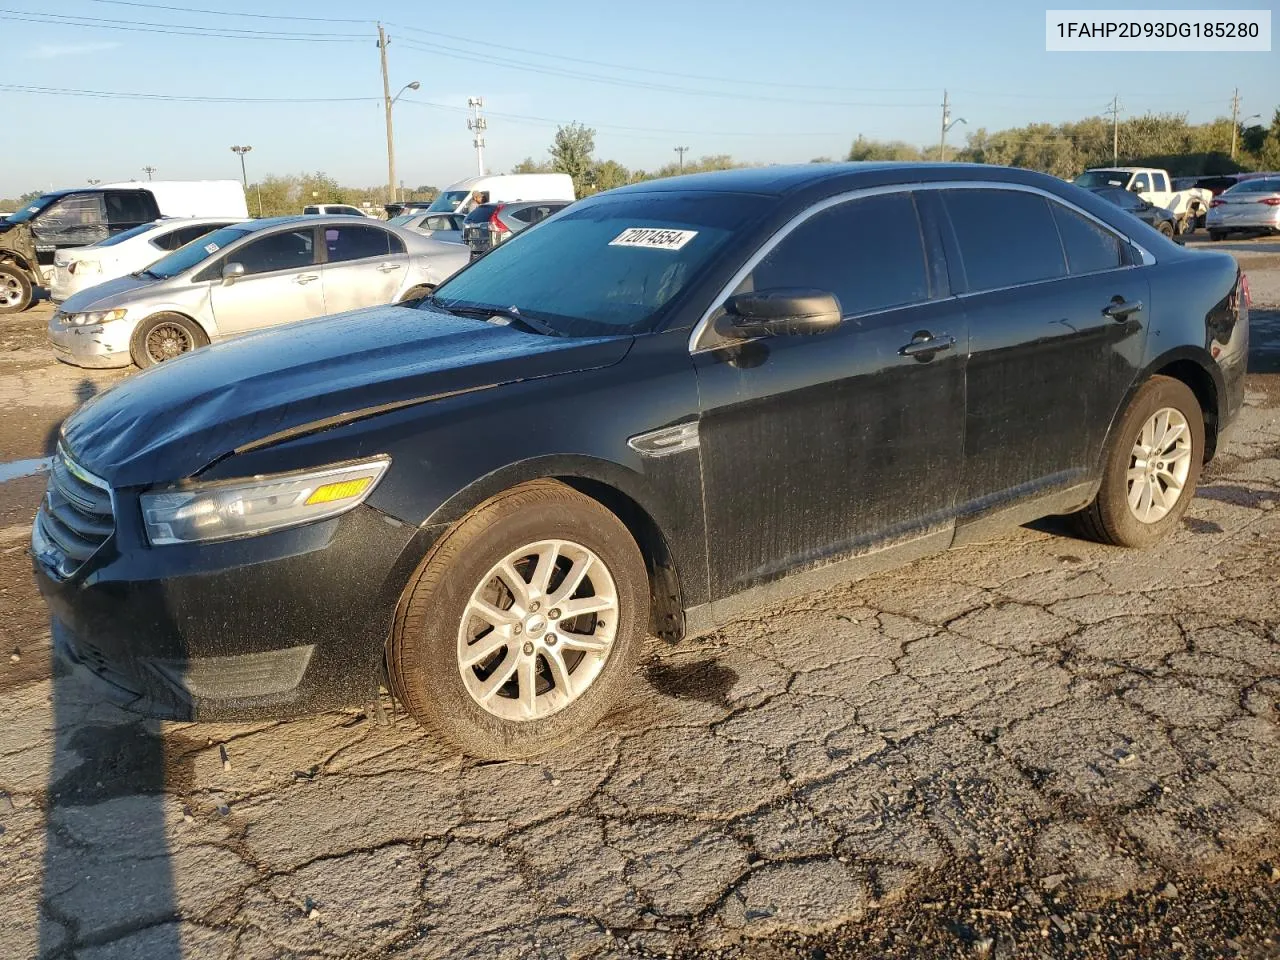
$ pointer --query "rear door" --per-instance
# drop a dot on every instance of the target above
(364, 266)
(819, 447)
(1048, 364)
(281, 282)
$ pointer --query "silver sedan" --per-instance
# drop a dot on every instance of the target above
(1250, 206)
(245, 277)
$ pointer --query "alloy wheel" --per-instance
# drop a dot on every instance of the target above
(10, 291)
(168, 340)
(538, 630)
(1159, 464)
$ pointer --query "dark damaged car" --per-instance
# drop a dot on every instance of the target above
(670, 404)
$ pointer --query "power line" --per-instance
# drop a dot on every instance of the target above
(227, 13)
(176, 98)
(189, 30)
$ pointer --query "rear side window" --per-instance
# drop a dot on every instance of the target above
(1089, 248)
(279, 251)
(183, 235)
(868, 252)
(128, 207)
(310, 209)
(357, 243)
(1159, 182)
(1006, 237)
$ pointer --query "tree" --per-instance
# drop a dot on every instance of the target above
(608, 174)
(571, 153)
(864, 149)
(530, 165)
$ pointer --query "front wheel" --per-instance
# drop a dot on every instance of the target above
(15, 289)
(1166, 228)
(163, 337)
(523, 625)
(1151, 469)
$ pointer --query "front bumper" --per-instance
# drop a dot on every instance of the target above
(94, 345)
(286, 623)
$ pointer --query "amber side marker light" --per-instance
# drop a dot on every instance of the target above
(339, 490)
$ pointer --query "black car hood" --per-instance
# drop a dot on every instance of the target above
(172, 421)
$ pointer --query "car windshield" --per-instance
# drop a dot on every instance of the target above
(1262, 185)
(1102, 178)
(1121, 198)
(121, 237)
(32, 208)
(448, 201)
(197, 251)
(608, 267)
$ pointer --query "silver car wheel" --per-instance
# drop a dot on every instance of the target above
(538, 630)
(1159, 464)
(10, 291)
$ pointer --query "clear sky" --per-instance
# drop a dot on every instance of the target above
(762, 80)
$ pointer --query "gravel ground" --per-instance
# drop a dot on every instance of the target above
(1030, 747)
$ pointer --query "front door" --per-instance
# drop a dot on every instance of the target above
(1056, 326)
(816, 448)
(281, 283)
(365, 266)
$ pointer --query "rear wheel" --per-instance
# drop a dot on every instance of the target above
(1217, 235)
(523, 625)
(163, 337)
(15, 289)
(1151, 469)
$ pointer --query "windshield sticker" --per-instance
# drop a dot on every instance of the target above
(210, 248)
(656, 238)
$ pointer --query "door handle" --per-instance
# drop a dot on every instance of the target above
(388, 267)
(306, 277)
(924, 345)
(1119, 309)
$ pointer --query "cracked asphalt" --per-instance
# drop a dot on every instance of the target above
(1030, 747)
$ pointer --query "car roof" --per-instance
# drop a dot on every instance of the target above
(781, 180)
(310, 219)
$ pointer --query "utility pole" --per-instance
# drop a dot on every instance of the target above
(244, 177)
(947, 124)
(1235, 114)
(477, 124)
(93, 182)
(148, 171)
(386, 97)
(681, 150)
(1114, 110)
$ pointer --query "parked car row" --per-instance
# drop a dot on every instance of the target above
(400, 495)
(1187, 206)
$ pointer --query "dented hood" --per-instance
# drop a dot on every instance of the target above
(175, 419)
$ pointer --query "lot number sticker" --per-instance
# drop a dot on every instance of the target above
(210, 248)
(655, 238)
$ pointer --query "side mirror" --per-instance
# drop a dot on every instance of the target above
(1134, 188)
(784, 311)
(231, 272)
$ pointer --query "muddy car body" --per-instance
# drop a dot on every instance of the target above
(656, 412)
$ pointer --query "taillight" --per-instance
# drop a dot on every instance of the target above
(496, 221)
(1271, 201)
(1244, 290)
(1215, 202)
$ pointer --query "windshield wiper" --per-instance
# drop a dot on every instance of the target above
(509, 313)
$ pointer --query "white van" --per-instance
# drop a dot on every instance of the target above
(193, 198)
(465, 195)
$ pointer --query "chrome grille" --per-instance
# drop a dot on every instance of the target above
(75, 518)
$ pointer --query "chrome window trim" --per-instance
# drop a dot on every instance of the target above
(704, 324)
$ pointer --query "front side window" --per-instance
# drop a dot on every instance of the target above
(1089, 247)
(290, 250)
(73, 210)
(448, 201)
(608, 266)
(356, 243)
(1141, 183)
(311, 210)
(1006, 237)
(868, 252)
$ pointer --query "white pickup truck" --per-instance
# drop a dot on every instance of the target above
(1188, 207)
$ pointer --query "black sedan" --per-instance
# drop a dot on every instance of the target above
(1146, 211)
(669, 405)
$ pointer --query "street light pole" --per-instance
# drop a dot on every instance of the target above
(681, 151)
(389, 102)
(244, 177)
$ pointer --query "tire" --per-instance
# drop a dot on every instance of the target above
(1110, 518)
(1187, 225)
(417, 293)
(1166, 228)
(1216, 235)
(434, 626)
(15, 289)
(145, 350)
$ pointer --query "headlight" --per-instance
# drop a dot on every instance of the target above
(95, 316)
(242, 508)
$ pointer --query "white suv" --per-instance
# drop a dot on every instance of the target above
(340, 209)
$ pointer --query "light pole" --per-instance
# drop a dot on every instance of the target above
(391, 143)
(244, 177)
(148, 171)
(681, 151)
(947, 124)
(93, 182)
